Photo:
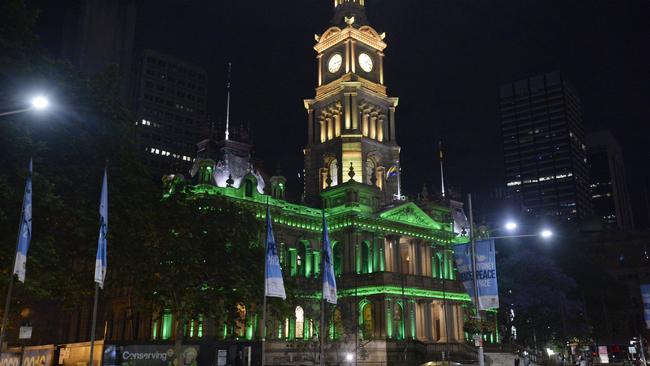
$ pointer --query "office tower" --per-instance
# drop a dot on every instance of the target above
(543, 145)
(608, 186)
(98, 34)
(170, 106)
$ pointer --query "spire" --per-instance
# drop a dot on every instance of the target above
(349, 12)
(228, 102)
(442, 171)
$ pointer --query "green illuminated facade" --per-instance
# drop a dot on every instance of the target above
(393, 258)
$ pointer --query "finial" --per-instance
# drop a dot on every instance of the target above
(351, 173)
(228, 102)
(349, 21)
(230, 181)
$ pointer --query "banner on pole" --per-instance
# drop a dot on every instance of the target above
(100, 259)
(274, 285)
(329, 278)
(486, 272)
(25, 234)
(645, 296)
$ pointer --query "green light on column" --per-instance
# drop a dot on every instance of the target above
(293, 262)
(199, 332)
(249, 329)
(154, 330)
(167, 325)
(316, 255)
(389, 319)
(307, 262)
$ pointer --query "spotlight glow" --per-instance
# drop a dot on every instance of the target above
(546, 233)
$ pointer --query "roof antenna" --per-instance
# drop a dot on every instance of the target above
(442, 171)
(228, 102)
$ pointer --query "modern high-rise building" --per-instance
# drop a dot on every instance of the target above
(544, 149)
(98, 34)
(608, 185)
(170, 106)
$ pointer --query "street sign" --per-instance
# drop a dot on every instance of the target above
(25, 333)
(222, 357)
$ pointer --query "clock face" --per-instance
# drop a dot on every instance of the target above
(335, 63)
(365, 62)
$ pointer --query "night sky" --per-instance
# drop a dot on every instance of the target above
(445, 61)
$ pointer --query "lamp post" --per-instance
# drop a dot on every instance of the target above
(37, 103)
(510, 226)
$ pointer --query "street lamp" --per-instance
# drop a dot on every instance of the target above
(37, 103)
(40, 102)
(546, 233)
(511, 226)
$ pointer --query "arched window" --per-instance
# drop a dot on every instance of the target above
(248, 188)
(334, 172)
(336, 325)
(300, 323)
(337, 254)
(367, 325)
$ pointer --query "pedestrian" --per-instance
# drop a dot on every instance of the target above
(517, 360)
(526, 360)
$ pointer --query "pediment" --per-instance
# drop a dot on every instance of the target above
(410, 214)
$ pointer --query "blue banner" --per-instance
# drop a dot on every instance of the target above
(329, 279)
(486, 272)
(100, 259)
(645, 296)
(25, 234)
(274, 285)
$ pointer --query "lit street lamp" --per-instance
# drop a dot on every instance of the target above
(38, 103)
(510, 226)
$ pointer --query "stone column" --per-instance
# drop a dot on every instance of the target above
(392, 123)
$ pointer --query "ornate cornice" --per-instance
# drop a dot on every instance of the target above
(336, 35)
(350, 80)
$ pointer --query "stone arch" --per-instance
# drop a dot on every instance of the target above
(366, 319)
(249, 183)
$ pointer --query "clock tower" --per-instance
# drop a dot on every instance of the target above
(351, 120)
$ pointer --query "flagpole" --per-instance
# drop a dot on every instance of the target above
(266, 248)
(7, 304)
(399, 181)
(3, 327)
(100, 259)
(11, 283)
(322, 300)
(94, 326)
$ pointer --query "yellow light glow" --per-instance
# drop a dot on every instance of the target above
(352, 157)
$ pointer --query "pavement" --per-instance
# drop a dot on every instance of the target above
(504, 359)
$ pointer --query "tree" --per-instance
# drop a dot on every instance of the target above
(540, 296)
(71, 143)
(203, 257)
